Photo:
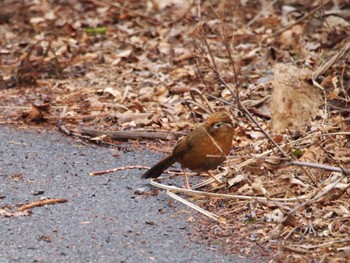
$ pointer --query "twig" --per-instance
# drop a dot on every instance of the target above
(201, 77)
(42, 203)
(119, 169)
(250, 117)
(226, 196)
(187, 102)
(197, 208)
(345, 49)
(210, 53)
(214, 142)
(296, 22)
(127, 135)
(64, 129)
(326, 244)
(125, 95)
(248, 114)
(236, 96)
(320, 166)
(67, 131)
(201, 95)
(170, 24)
(247, 162)
(261, 12)
(226, 41)
(324, 191)
(259, 113)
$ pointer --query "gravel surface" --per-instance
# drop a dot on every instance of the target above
(104, 220)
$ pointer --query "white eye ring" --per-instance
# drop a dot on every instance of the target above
(217, 125)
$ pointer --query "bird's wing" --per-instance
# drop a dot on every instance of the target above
(186, 144)
(182, 147)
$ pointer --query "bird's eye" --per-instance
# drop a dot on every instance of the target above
(218, 125)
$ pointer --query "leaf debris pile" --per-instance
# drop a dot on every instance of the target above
(162, 65)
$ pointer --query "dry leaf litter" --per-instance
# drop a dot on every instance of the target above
(165, 65)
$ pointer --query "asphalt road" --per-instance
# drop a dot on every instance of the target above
(104, 220)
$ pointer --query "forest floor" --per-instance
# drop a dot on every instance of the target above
(148, 71)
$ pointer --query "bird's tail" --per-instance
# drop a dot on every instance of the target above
(159, 168)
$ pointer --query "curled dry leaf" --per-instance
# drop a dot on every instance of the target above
(258, 187)
(274, 216)
(180, 88)
(334, 21)
(278, 139)
(290, 220)
(291, 37)
(235, 180)
(36, 113)
(179, 4)
(184, 56)
(295, 181)
(255, 134)
(116, 93)
(182, 73)
(313, 154)
(133, 117)
(124, 53)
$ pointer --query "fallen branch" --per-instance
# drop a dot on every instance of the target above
(127, 135)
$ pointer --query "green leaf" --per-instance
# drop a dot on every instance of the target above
(298, 153)
(93, 31)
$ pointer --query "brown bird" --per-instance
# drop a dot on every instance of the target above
(201, 150)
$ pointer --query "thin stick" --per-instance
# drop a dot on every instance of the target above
(226, 196)
(295, 23)
(324, 191)
(326, 244)
(210, 53)
(320, 166)
(41, 203)
(214, 142)
(197, 208)
(247, 162)
(212, 176)
(119, 169)
(126, 135)
(248, 114)
(181, 17)
(261, 12)
(204, 99)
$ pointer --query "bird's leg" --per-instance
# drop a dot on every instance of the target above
(211, 175)
(187, 184)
